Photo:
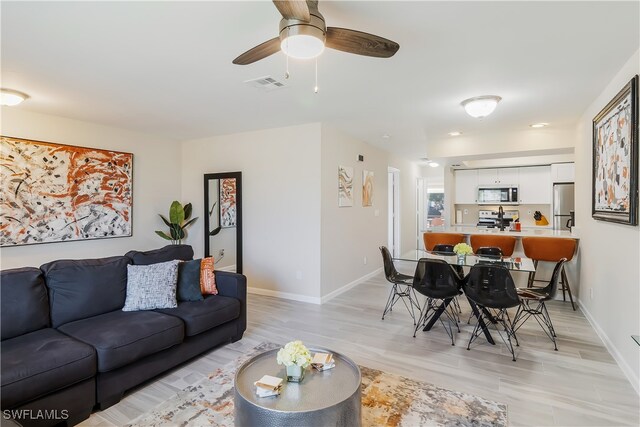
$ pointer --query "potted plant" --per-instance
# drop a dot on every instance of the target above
(178, 222)
(296, 358)
(462, 250)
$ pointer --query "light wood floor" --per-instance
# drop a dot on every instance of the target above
(578, 385)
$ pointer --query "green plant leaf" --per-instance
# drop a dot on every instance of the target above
(215, 231)
(175, 231)
(181, 234)
(188, 209)
(166, 221)
(176, 213)
(188, 223)
(163, 235)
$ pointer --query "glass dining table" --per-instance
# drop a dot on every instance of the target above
(511, 263)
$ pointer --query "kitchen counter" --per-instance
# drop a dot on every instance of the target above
(526, 231)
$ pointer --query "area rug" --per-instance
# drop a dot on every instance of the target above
(387, 400)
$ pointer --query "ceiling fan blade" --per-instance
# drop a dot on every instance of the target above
(259, 52)
(360, 43)
(293, 9)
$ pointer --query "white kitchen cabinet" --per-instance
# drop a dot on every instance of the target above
(563, 172)
(535, 185)
(501, 176)
(466, 187)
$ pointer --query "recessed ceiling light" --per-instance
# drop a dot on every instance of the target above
(539, 125)
(434, 164)
(386, 136)
(481, 106)
(455, 133)
(11, 97)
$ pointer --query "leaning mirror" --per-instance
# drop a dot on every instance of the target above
(223, 220)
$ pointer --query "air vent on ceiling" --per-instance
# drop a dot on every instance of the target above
(266, 83)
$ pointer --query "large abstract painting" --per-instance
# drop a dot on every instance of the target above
(615, 158)
(58, 193)
(367, 188)
(228, 202)
(345, 186)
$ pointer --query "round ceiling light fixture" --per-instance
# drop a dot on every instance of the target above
(11, 97)
(539, 125)
(455, 133)
(428, 162)
(481, 106)
(303, 40)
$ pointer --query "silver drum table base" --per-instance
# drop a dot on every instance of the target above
(328, 398)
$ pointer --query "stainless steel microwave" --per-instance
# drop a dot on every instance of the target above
(497, 195)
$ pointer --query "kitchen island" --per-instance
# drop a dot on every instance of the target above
(468, 230)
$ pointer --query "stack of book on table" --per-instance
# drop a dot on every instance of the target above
(323, 361)
(268, 386)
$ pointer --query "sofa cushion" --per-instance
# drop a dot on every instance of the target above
(122, 337)
(200, 316)
(168, 253)
(24, 303)
(151, 286)
(84, 288)
(188, 288)
(42, 362)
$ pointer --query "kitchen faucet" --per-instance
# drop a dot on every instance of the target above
(501, 217)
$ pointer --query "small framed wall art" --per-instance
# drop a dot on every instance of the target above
(615, 158)
(57, 193)
(367, 188)
(345, 186)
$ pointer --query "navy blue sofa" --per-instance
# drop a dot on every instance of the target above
(67, 347)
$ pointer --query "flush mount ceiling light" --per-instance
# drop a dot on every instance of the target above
(11, 97)
(455, 133)
(539, 125)
(481, 106)
(386, 136)
(426, 161)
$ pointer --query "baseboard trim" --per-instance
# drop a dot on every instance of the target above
(348, 286)
(313, 300)
(626, 369)
(284, 295)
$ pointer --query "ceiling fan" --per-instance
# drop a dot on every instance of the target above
(304, 35)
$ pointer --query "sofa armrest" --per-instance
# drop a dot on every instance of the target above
(235, 286)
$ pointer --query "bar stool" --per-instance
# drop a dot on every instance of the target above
(505, 243)
(551, 249)
(432, 239)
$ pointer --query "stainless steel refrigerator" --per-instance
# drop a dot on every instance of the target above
(563, 203)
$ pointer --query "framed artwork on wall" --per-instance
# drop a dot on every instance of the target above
(57, 193)
(367, 188)
(615, 158)
(345, 186)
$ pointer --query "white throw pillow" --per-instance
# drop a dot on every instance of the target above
(151, 286)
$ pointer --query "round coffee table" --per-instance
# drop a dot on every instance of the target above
(324, 398)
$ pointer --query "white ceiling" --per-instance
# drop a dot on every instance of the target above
(165, 67)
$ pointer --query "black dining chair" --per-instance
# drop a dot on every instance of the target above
(537, 296)
(492, 290)
(402, 288)
(435, 279)
(448, 250)
(489, 251)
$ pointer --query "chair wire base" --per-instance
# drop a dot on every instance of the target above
(540, 313)
(429, 310)
(496, 316)
(402, 291)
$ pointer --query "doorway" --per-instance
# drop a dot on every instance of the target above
(393, 239)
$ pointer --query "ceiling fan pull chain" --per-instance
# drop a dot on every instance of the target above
(286, 74)
(315, 89)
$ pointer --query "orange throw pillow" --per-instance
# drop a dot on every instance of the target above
(207, 277)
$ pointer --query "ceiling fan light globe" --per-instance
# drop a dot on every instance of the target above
(302, 46)
(481, 106)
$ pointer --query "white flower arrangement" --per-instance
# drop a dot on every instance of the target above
(294, 353)
(462, 249)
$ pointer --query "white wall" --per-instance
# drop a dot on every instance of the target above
(349, 234)
(156, 182)
(609, 252)
(281, 203)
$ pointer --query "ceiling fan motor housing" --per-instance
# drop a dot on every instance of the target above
(316, 26)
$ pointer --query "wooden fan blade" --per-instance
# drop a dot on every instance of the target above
(293, 9)
(259, 52)
(360, 43)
